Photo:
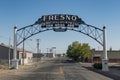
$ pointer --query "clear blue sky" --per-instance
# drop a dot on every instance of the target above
(94, 12)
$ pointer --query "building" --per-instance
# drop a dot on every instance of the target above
(6, 55)
(37, 57)
(50, 55)
(113, 55)
(25, 58)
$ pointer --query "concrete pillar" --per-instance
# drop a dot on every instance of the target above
(105, 58)
(14, 60)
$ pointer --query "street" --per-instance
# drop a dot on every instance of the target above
(54, 69)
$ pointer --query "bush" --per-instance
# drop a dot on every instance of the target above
(97, 65)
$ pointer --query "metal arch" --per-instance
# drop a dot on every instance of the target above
(60, 23)
(89, 30)
(29, 31)
(95, 33)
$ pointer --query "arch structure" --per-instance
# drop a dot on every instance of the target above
(60, 23)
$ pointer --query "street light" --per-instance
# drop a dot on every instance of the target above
(48, 50)
(51, 50)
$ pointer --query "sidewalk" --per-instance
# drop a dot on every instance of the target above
(113, 73)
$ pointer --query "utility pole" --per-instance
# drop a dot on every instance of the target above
(23, 54)
(38, 46)
(9, 51)
(38, 50)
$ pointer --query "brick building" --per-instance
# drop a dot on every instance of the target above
(113, 55)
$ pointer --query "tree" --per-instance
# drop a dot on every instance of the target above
(76, 50)
(86, 53)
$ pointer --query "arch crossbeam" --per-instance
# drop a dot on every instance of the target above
(29, 31)
(91, 31)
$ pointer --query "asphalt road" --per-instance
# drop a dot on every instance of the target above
(54, 69)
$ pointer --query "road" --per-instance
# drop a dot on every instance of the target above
(54, 69)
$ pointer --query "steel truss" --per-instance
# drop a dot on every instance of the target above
(31, 30)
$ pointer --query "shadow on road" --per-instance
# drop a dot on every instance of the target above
(69, 61)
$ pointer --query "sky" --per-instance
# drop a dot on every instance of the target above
(94, 12)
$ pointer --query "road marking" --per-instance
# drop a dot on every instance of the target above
(61, 73)
(61, 70)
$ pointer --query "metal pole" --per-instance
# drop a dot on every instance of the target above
(23, 52)
(104, 43)
(105, 58)
(15, 43)
(9, 52)
(37, 49)
(37, 45)
(47, 50)
(51, 51)
(15, 61)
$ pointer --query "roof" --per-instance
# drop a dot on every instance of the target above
(11, 47)
(111, 53)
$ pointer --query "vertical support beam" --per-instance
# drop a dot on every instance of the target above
(15, 61)
(9, 55)
(15, 43)
(38, 51)
(23, 54)
(105, 58)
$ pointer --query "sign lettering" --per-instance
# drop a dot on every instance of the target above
(59, 20)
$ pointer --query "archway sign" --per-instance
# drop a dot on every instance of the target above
(60, 23)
